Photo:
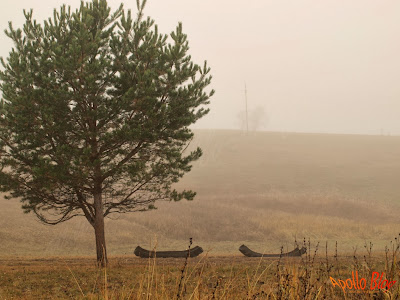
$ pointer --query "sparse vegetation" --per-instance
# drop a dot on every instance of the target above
(225, 277)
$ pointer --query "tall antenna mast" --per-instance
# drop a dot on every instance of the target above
(245, 96)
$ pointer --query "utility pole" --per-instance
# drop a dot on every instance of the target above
(247, 120)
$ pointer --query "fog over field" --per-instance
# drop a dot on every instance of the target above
(310, 66)
(321, 158)
(262, 189)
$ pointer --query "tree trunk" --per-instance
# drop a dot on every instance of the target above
(99, 231)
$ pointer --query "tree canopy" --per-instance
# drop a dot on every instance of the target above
(95, 114)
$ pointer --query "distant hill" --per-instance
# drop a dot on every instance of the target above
(264, 189)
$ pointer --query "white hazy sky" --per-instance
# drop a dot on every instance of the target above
(312, 66)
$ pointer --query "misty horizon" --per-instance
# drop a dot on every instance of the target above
(328, 67)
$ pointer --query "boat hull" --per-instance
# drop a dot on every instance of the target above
(143, 253)
(250, 253)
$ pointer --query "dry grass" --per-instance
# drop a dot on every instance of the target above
(229, 277)
(262, 189)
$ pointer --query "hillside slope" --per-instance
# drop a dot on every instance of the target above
(263, 189)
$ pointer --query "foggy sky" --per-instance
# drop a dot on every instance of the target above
(312, 66)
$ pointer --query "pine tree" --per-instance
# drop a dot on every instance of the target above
(95, 114)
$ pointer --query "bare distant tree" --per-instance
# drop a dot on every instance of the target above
(257, 118)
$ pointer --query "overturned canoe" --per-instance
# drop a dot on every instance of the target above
(250, 253)
(143, 253)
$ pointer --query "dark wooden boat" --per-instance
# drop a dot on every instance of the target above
(250, 253)
(143, 253)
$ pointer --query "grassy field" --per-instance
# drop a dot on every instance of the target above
(262, 189)
(322, 273)
(265, 190)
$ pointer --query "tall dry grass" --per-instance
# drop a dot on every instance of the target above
(307, 277)
(208, 277)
